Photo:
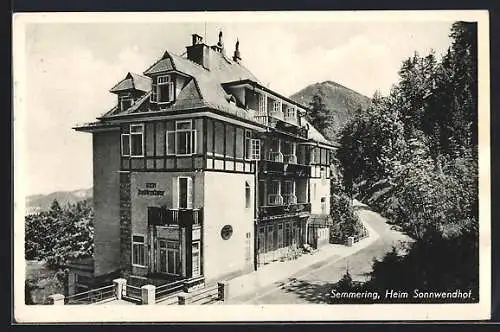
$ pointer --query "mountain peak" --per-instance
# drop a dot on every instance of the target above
(342, 102)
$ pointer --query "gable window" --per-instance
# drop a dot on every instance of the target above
(125, 101)
(138, 250)
(182, 141)
(136, 140)
(252, 146)
(163, 89)
(247, 195)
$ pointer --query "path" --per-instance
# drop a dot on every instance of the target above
(314, 284)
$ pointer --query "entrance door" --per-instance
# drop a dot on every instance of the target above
(169, 257)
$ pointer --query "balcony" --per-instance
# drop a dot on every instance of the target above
(181, 217)
(290, 159)
(276, 157)
(290, 199)
(284, 169)
(271, 211)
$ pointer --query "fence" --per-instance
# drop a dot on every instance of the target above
(169, 291)
(207, 295)
(92, 296)
(132, 293)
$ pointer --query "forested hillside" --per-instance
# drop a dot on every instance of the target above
(413, 157)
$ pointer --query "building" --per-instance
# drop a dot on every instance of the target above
(201, 170)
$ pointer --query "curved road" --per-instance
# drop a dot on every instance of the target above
(315, 285)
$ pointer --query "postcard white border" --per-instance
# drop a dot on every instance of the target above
(227, 313)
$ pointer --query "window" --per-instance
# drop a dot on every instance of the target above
(274, 197)
(125, 145)
(137, 140)
(280, 236)
(290, 113)
(277, 106)
(288, 234)
(163, 90)
(138, 250)
(248, 195)
(262, 104)
(261, 240)
(219, 138)
(230, 136)
(196, 259)
(240, 143)
(252, 146)
(169, 257)
(185, 192)
(125, 101)
(182, 141)
(270, 238)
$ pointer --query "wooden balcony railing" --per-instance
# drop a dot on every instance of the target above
(279, 168)
(182, 217)
(277, 210)
(290, 159)
(275, 156)
(289, 199)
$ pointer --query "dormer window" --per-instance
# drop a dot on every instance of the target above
(125, 101)
(163, 89)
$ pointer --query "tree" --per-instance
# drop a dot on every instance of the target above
(60, 234)
(318, 116)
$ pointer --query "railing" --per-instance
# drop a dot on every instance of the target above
(133, 293)
(262, 119)
(276, 156)
(276, 114)
(167, 290)
(290, 159)
(277, 210)
(207, 295)
(183, 217)
(92, 296)
(291, 118)
(275, 199)
(297, 170)
(289, 199)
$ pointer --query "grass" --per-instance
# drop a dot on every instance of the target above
(45, 280)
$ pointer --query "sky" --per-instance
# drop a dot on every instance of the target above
(70, 67)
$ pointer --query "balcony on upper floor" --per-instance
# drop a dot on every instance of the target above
(162, 216)
(275, 211)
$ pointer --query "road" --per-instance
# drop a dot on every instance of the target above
(315, 285)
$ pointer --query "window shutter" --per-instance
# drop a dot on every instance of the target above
(190, 193)
(170, 142)
(175, 192)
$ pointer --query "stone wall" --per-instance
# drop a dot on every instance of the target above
(125, 224)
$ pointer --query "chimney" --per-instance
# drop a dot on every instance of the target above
(198, 52)
(220, 43)
(237, 55)
(197, 39)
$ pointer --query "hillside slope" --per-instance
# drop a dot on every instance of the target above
(42, 202)
(342, 102)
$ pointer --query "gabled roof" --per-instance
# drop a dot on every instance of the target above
(133, 82)
(314, 134)
(204, 87)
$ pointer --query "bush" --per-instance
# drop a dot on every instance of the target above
(348, 223)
